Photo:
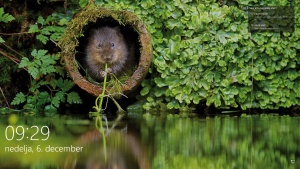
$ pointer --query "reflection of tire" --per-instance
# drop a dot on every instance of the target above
(122, 151)
(91, 14)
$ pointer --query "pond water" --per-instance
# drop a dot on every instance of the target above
(150, 141)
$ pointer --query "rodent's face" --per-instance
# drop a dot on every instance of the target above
(105, 45)
(105, 51)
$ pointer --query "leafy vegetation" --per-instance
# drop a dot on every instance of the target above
(5, 17)
(48, 84)
(50, 32)
(203, 53)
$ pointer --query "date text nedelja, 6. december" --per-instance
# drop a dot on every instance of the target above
(48, 149)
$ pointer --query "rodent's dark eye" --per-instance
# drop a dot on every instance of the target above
(99, 45)
(112, 44)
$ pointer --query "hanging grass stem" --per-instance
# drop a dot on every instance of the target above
(98, 107)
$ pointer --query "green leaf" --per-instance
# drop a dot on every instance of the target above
(217, 100)
(48, 69)
(233, 27)
(57, 83)
(50, 109)
(34, 72)
(63, 21)
(41, 20)
(292, 74)
(64, 85)
(159, 92)
(59, 97)
(56, 36)
(73, 97)
(221, 35)
(145, 90)
(83, 3)
(38, 54)
(171, 23)
(19, 98)
(5, 17)
(47, 30)
(43, 98)
(42, 38)
(48, 60)
(1, 40)
(173, 104)
(68, 84)
(33, 28)
(24, 62)
(270, 51)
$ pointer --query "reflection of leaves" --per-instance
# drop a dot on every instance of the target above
(217, 139)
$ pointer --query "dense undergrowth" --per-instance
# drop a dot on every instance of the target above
(29, 44)
(203, 53)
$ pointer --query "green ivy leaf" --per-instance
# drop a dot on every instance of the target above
(173, 104)
(270, 51)
(145, 90)
(172, 23)
(222, 35)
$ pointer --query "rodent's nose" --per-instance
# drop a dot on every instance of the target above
(108, 58)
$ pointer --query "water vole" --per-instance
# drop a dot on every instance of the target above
(108, 45)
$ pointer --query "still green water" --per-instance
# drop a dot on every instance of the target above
(151, 141)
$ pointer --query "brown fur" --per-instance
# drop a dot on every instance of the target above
(107, 45)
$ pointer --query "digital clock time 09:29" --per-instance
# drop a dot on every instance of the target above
(19, 133)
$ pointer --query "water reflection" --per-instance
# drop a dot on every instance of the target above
(73, 143)
(158, 142)
(123, 151)
(248, 142)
